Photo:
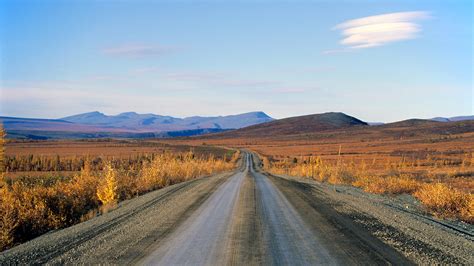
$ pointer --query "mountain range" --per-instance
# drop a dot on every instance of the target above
(127, 125)
(158, 123)
(453, 119)
(438, 119)
(133, 125)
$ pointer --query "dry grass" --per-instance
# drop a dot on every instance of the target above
(388, 185)
(446, 202)
(390, 159)
(30, 208)
(432, 153)
(385, 160)
(438, 198)
(106, 148)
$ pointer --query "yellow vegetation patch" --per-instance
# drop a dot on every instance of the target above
(447, 202)
(30, 207)
(388, 185)
(438, 198)
(108, 186)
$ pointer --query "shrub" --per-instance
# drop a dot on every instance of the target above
(8, 218)
(446, 202)
(387, 185)
(29, 208)
(438, 198)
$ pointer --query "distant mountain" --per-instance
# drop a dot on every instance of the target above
(158, 123)
(453, 119)
(297, 125)
(44, 135)
(126, 125)
(16, 123)
(437, 119)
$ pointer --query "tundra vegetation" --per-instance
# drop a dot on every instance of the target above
(32, 205)
(395, 178)
(432, 161)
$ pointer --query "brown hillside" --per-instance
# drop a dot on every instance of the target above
(296, 125)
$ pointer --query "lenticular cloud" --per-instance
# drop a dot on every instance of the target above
(382, 29)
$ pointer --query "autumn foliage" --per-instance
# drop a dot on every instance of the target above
(437, 198)
(446, 201)
(32, 206)
(108, 186)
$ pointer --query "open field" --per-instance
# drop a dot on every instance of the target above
(434, 151)
(58, 184)
(66, 157)
(401, 157)
(430, 151)
(98, 147)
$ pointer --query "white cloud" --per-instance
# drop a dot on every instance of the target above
(381, 29)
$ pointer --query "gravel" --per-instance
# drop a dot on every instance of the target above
(122, 235)
(398, 221)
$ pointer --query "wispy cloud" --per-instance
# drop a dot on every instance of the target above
(138, 50)
(294, 90)
(380, 30)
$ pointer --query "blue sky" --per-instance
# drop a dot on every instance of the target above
(376, 60)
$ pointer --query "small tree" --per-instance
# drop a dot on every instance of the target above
(108, 187)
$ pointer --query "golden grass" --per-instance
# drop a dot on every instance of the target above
(438, 198)
(446, 202)
(29, 209)
(440, 154)
(387, 185)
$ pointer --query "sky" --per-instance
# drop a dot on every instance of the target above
(375, 60)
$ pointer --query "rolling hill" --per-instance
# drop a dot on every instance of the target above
(297, 125)
(329, 126)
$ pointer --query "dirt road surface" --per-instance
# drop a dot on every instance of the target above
(250, 217)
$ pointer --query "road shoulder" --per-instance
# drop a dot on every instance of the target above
(417, 239)
(135, 226)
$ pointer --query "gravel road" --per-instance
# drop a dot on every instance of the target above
(200, 240)
(250, 217)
